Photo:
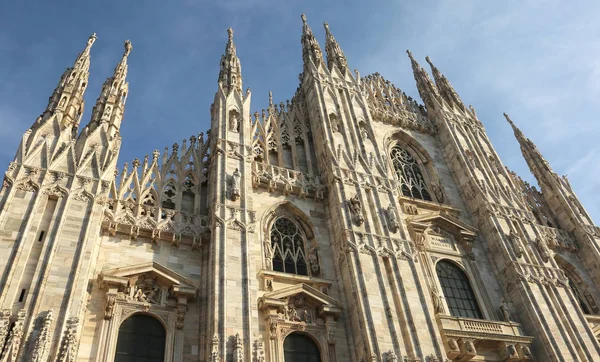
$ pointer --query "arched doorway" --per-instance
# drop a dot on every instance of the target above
(300, 348)
(141, 338)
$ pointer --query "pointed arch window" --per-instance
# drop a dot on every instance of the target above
(141, 338)
(409, 174)
(300, 348)
(457, 291)
(287, 244)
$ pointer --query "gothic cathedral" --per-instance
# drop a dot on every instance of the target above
(348, 224)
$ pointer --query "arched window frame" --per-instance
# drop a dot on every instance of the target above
(579, 287)
(289, 211)
(422, 159)
(412, 187)
(469, 279)
(281, 249)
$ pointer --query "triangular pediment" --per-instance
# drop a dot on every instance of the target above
(162, 273)
(444, 221)
(311, 293)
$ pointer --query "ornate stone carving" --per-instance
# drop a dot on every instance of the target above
(392, 218)
(438, 301)
(111, 299)
(234, 121)
(238, 349)
(235, 184)
(543, 249)
(146, 290)
(391, 357)
(40, 346)
(505, 310)
(215, 355)
(259, 350)
(438, 191)
(515, 242)
(68, 344)
(313, 260)
(4, 326)
(356, 210)
(181, 310)
(14, 340)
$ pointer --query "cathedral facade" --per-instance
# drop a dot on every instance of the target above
(350, 223)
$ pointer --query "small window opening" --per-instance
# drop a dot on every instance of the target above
(41, 237)
(22, 296)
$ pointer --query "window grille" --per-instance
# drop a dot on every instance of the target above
(457, 291)
(409, 174)
(287, 243)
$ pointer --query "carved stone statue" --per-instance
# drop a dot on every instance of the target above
(313, 260)
(234, 122)
(392, 218)
(516, 243)
(235, 184)
(292, 314)
(146, 290)
(543, 249)
(214, 354)
(238, 349)
(259, 350)
(364, 134)
(356, 209)
(504, 309)
(268, 253)
(438, 303)
(334, 123)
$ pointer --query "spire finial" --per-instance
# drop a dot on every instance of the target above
(128, 48)
(270, 98)
(230, 33)
(92, 39)
(303, 17)
(335, 55)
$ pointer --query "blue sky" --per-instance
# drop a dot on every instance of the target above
(539, 61)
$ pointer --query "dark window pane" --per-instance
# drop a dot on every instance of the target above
(141, 338)
(409, 174)
(300, 348)
(457, 291)
(288, 240)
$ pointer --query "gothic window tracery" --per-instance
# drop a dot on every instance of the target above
(287, 244)
(457, 291)
(141, 338)
(409, 174)
(169, 193)
(300, 348)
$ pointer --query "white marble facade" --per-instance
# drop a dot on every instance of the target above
(338, 216)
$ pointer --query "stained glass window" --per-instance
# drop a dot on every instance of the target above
(457, 291)
(409, 174)
(300, 348)
(141, 338)
(287, 243)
